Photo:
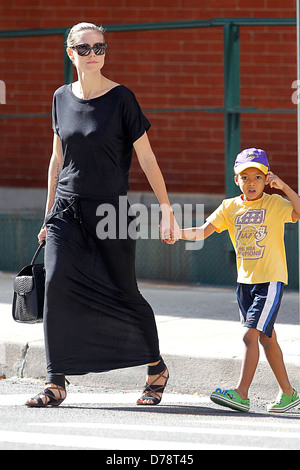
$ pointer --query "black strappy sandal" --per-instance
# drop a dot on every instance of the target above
(151, 392)
(51, 398)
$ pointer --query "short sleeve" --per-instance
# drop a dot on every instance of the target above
(284, 209)
(135, 122)
(54, 116)
(218, 219)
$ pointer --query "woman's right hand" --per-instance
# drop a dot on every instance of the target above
(42, 234)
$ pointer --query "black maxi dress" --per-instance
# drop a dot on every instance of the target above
(95, 317)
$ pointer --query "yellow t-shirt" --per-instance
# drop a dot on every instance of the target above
(256, 229)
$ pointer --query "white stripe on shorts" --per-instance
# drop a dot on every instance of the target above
(272, 291)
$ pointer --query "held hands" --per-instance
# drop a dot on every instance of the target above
(169, 229)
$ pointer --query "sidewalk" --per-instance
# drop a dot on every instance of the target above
(200, 339)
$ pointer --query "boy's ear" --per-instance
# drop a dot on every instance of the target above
(236, 180)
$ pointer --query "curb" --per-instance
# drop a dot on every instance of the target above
(188, 375)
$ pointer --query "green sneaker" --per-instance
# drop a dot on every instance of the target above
(284, 403)
(230, 399)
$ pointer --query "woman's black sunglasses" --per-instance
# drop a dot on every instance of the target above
(85, 49)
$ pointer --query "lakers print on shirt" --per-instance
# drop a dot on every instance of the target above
(250, 232)
(256, 229)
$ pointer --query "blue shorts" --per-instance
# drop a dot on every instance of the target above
(259, 305)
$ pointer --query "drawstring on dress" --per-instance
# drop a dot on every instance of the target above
(75, 203)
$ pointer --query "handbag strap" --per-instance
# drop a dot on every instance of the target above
(38, 252)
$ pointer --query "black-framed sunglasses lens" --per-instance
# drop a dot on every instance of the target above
(84, 49)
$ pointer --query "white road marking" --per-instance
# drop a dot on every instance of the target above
(91, 442)
(105, 399)
(104, 443)
(220, 430)
(231, 427)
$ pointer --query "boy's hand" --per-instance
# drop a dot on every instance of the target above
(274, 181)
(277, 183)
(169, 230)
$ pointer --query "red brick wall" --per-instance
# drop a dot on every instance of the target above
(165, 69)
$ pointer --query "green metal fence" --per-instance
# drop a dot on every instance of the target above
(232, 110)
(18, 231)
(214, 264)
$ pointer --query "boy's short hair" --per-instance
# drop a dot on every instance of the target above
(252, 158)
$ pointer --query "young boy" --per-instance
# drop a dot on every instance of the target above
(255, 222)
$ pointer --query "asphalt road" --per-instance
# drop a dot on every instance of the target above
(181, 426)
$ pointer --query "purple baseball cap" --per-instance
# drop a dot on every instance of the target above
(253, 157)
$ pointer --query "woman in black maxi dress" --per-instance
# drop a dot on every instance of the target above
(95, 318)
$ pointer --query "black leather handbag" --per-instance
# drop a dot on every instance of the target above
(29, 291)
